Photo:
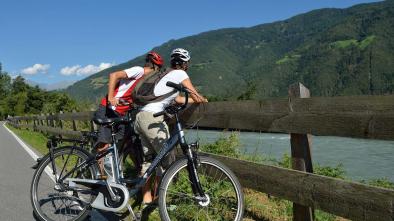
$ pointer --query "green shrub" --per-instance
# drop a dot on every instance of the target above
(285, 162)
(336, 172)
(226, 146)
(380, 182)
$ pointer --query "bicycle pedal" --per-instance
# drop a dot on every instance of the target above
(102, 177)
(138, 216)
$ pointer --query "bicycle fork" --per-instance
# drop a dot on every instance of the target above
(192, 164)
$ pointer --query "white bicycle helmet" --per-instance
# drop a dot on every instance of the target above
(180, 53)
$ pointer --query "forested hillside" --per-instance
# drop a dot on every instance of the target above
(332, 51)
(18, 98)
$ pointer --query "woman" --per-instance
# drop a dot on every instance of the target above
(154, 131)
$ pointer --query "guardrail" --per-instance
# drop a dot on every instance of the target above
(299, 115)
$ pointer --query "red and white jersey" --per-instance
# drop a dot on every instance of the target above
(124, 88)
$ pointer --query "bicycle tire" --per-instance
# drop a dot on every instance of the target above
(176, 179)
(75, 206)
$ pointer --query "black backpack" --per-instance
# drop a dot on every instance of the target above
(143, 92)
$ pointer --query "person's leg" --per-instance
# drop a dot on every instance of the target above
(132, 147)
(153, 134)
(99, 148)
(141, 126)
(105, 134)
(104, 138)
(146, 189)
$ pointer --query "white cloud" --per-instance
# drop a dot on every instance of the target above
(37, 68)
(70, 70)
(86, 70)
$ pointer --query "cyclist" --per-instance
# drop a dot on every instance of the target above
(154, 131)
(120, 87)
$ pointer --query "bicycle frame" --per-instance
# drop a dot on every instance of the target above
(169, 145)
(92, 160)
(178, 137)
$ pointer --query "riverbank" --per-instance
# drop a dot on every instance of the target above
(361, 159)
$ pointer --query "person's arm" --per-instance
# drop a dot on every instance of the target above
(113, 80)
(196, 97)
(181, 100)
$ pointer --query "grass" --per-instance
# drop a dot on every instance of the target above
(35, 139)
(362, 44)
(288, 58)
(99, 82)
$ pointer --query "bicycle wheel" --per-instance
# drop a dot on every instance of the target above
(53, 201)
(178, 202)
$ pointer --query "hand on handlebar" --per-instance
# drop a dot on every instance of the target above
(201, 99)
(123, 102)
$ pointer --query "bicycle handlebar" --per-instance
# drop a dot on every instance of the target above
(180, 88)
(159, 113)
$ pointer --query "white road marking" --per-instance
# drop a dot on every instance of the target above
(31, 153)
(95, 215)
(28, 150)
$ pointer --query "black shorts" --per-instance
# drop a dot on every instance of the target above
(104, 133)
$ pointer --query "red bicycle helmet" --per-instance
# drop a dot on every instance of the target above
(155, 58)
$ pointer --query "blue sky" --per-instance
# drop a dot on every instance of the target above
(51, 41)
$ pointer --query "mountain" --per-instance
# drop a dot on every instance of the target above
(50, 87)
(331, 51)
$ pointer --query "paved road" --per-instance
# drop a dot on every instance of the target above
(15, 179)
(16, 160)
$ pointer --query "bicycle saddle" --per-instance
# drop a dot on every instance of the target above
(108, 121)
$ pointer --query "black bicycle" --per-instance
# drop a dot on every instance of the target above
(65, 184)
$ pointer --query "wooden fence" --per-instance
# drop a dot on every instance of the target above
(300, 116)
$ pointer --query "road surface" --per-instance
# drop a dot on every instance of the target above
(16, 159)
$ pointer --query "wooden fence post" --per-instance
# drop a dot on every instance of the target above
(47, 119)
(42, 121)
(93, 126)
(34, 124)
(52, 121)
(60, 121)
(74, 123)
(301, 158)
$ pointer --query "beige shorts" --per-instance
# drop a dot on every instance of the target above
(153, 133)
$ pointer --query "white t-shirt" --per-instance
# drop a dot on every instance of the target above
(176, 76)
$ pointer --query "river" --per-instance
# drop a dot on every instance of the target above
(362, 159)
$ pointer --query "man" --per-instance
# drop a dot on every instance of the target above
(120, 87)
(154, 131)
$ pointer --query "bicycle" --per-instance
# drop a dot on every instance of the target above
(193, 188)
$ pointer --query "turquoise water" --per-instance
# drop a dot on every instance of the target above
(362, 159)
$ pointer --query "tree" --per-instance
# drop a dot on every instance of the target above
(5, 84)
(19, 85)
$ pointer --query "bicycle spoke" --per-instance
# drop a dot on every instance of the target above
(56, 200)
(223, 196)
(68, 156)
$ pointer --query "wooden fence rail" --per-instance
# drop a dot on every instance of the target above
(360, 117)
(356, 116)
